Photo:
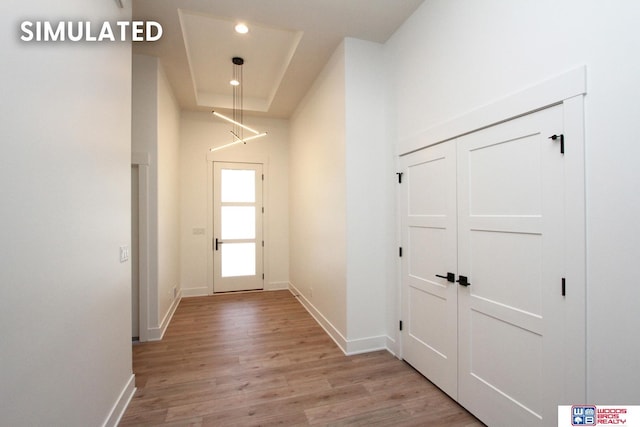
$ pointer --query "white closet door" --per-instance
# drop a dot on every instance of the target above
(429, 303)
(510, 246)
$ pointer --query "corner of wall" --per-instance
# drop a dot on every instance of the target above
(369, 164)
(324, 323)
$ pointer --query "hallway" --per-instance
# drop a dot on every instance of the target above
(261, 359)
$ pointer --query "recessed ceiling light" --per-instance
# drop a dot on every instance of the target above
(234, 83)
(242, 28)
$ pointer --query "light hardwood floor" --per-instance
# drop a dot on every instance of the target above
(259, 359)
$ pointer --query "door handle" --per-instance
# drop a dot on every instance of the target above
(462, 280)
(450, 277)
(218, 242)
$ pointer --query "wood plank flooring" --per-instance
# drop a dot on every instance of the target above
(259, 359)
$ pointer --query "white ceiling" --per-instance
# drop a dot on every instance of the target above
(288, 43)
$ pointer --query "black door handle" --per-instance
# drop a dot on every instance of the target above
(463, 281)
(218, 243)
(450, 277)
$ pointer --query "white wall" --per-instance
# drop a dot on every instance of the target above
(453, 56)
(370, 204)
(65, 316)
(317, 194)
(342, 204)
(200, 131)
(168, 196)
(155, 131)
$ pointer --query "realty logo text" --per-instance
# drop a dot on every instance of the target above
(590, 415)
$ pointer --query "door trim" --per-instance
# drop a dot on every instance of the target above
(225, 157)
(550, 92)
(142, 160)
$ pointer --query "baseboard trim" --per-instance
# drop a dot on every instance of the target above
(156, 334)
(392, 346)
(348, 347)
(366, 345)
(195, 292)
(116, 413)
(325, 324)
(276, 286)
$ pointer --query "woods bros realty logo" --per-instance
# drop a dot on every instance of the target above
(592, 415)
(86, 31)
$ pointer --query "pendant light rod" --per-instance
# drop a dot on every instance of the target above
(225, 145)
(223, 117)
(245, 140)
(238, 141)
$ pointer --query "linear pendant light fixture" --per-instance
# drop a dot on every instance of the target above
(238, 113)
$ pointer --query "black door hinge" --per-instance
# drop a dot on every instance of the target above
(555, 138)
(564, 287)
(400, 251)
(401, 325)
(262, 276)
(399, 177)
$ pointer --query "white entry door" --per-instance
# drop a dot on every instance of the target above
(429, 300)
(511, 249)
(237, 226)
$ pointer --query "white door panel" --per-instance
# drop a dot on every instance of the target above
(429, 337)
(510, 246)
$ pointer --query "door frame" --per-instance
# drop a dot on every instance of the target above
(142, 161)
(568, 89)
(228, 158)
